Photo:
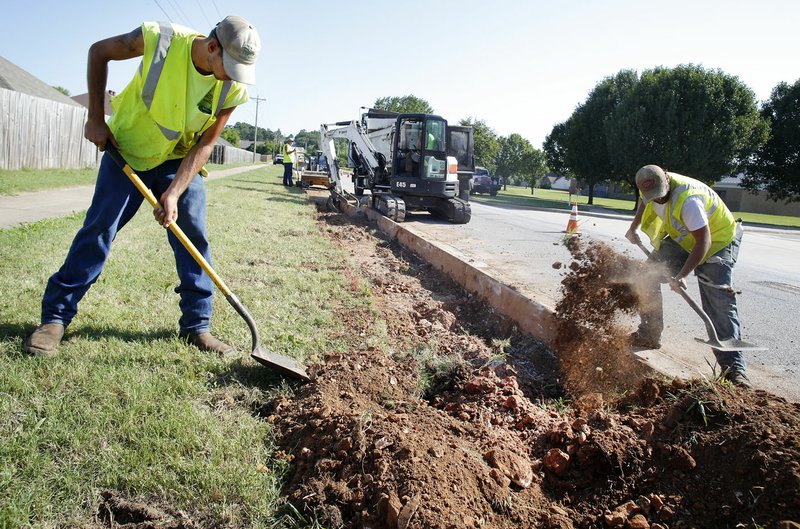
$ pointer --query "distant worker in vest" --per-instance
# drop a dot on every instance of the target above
(691, 230)
(165, 124)
(288, 161)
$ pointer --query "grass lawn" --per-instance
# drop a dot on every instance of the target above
(125, 405)
(552, 198)
(25, 180)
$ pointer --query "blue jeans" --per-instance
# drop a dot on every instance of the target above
(717, 301)
(114, 203)
(287, 174)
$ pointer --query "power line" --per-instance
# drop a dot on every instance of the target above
(177, 7)
(202, 11)
(162, 10)
(217, 9)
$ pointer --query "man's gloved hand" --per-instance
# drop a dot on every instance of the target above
(677, 284)
(633, 236)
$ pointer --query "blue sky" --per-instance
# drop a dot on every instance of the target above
(520, 66)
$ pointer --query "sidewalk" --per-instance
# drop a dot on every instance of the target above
(25, 208)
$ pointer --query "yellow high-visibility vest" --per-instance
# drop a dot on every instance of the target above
(168, 104)
(720, 220)
(288, 157)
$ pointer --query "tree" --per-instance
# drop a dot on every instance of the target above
(535, 164)
(405, 105)
(555, 149)
(486, 143)
(580, 146)
(231, 135)
(310, 140)
(775, 167)
(702, 123)
(62, 90)
(515, 153)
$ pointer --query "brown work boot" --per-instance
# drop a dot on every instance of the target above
(641, 339)
(206, 342)
(44, 340)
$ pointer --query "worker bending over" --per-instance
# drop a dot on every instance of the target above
(165, 124)
(691, 230)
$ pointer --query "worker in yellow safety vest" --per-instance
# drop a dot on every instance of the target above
(691, 230)
(288, 162)
(165, 124)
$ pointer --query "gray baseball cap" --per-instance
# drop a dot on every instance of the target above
(240, 48)
(652, 182)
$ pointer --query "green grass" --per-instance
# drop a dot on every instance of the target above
(553, 198)
(23, 180)
(126, 405)
(26, 180)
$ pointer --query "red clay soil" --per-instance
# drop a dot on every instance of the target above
(457, 420)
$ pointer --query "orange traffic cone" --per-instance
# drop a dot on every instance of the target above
(572, 225)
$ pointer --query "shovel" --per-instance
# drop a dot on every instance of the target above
(713, 339)
(282, 364)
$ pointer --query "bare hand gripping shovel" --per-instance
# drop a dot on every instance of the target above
(713, 339)
(282, 364)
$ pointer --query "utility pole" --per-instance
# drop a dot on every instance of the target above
(255, 132)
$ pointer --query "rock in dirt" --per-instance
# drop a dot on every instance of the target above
(557, 462)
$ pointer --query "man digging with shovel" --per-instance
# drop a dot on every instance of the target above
(165, 122)
(692, 230)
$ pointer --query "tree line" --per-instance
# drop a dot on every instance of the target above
(702, 123)
(699, 122)
(269, 141)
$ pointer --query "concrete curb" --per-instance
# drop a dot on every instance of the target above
(531, 317)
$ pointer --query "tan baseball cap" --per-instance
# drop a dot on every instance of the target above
(652, 182)
(240, 48)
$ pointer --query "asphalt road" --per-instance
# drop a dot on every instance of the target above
(520, 247)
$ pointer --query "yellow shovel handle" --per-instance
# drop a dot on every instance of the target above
(174, 228)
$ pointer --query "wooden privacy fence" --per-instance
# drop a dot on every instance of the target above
(226, 154)
(39, 133)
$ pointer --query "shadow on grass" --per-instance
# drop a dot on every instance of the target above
(261, 384)
(89, 332)
(250, 181)
(11, 330)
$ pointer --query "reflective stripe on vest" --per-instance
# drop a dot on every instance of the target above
(154, 75)
(721, 223)
(679, 196)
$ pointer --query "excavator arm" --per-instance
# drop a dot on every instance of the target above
(369, 160)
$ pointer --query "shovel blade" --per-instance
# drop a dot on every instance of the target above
(731, 345)
(282, 364)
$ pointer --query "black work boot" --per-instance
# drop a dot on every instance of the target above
(44, 340)
(206, 342)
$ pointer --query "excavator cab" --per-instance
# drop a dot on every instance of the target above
(403, 160)
(420, 156)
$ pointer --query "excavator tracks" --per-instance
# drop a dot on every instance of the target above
(455, 210)
(458, 211)
(391, 206)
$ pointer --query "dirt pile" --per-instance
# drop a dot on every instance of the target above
(592, 336)
(457, 421)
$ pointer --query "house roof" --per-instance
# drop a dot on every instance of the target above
(729, 182)
(12, 77)
(83, 99)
